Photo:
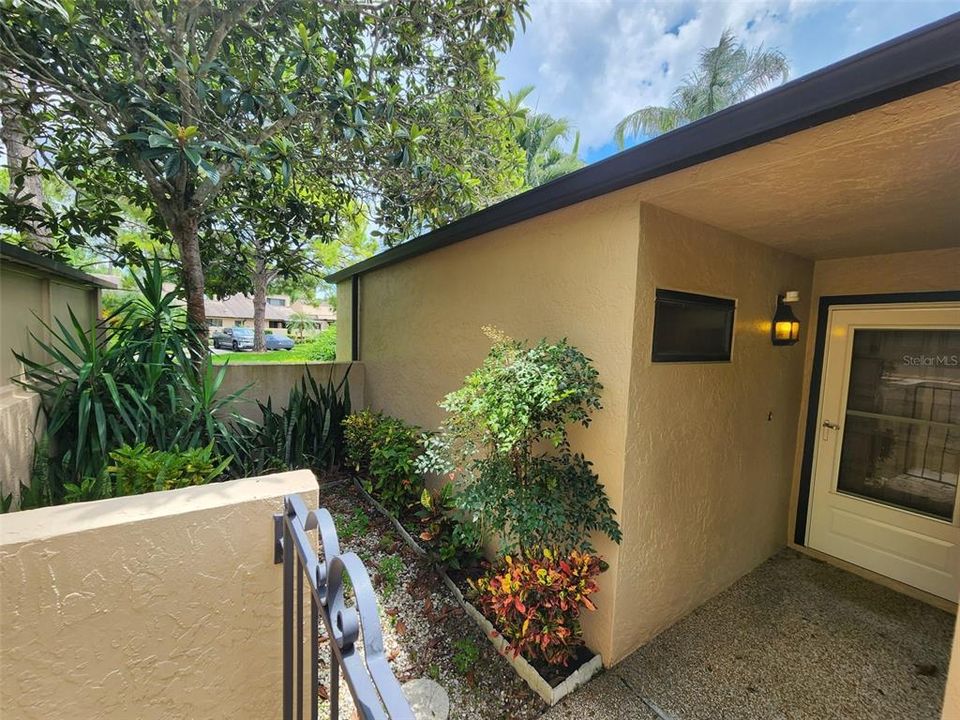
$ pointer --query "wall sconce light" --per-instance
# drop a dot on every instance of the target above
(786, 327)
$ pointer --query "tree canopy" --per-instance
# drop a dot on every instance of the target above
(175, 107)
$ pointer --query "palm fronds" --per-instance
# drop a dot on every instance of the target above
(726, 74)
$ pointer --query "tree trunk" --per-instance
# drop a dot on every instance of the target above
(259, 300)
(21, 161)
(185, 233)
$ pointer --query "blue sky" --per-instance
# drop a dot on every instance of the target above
(594, 61)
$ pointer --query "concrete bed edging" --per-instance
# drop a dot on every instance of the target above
(550, 695)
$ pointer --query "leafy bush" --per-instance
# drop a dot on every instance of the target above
(141, 469)
(358, 430)
(134, 379)
(323, 346)
(383, 450)
(450, 542)
(308, 432)
(535, 602)
(519, 399)
(395, 448)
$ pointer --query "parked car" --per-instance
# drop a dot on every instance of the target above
(234, 338)
(275, 341)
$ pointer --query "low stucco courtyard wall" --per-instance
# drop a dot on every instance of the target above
(274, 381)
(20, 425)
(30, 298)
(165, 605)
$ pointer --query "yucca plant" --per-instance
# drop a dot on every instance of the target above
(133, 379)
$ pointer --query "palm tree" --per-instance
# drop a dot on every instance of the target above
(541, 135)
(725, 75)
(299, 322)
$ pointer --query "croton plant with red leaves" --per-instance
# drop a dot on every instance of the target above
(535, 602)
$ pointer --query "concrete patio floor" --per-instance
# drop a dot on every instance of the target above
(796, 639)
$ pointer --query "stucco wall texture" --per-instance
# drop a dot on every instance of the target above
(709, 445)
(25, 296)
(165, 605)
(670, 443)
(273, 381)
(568, 274)
(951, 700)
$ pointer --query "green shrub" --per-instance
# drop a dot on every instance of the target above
(323, 346)
(518, 400)
(395, 448)
(358, 430)
(141, 469)
(383, 450)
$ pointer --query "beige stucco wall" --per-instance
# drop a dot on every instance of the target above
(921, 271)
(345, 321)
(20, 425)
(26, 295)
(275, 380)
(166, 605)
(569, 274)
(709, 445)
(951, 699)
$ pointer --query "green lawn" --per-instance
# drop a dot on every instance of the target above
(299, 354)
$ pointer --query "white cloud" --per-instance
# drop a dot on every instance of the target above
(594, 61)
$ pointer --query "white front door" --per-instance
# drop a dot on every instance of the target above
(887, 453)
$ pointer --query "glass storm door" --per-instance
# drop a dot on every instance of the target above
(887, 453)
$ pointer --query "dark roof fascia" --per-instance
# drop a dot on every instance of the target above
(28, 258)
(921, 60)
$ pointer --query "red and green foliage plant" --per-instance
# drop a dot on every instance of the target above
(535, 601)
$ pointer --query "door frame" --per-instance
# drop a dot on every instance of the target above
(804, 497)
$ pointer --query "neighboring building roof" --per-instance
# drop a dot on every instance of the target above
(241, 306)
(109, 281)
(28, 258)
(918, 61)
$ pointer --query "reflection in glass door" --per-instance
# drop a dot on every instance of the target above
(901, 435)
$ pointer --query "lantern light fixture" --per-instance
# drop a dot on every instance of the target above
(786, 327)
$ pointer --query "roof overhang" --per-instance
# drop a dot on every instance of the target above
(26, 258)
(924, 59)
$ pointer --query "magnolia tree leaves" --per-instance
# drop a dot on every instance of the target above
(177, 108)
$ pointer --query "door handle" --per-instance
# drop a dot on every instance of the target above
(827, 427)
